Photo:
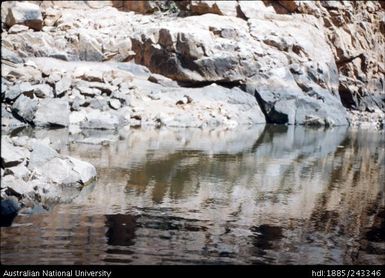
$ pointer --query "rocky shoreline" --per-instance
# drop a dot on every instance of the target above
(109, 65)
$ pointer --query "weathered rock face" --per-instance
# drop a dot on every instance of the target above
(355, 33)
(274, 48)
(300, 60)
(206, 52)
(353, 30)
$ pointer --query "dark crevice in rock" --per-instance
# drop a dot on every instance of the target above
(346, 97)
(272, 116)
(344, 61)
(186, 63)
(200, 84)
(21, 119)
(240, 13)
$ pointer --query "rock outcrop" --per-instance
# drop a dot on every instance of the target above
(310, 46)
(353, 30)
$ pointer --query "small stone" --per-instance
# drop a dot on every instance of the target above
(62, 86)
(99, 103)
(85, 170)
(182, 101)
(30, 63)
(43, 91)
(114, 104)
(90, 92)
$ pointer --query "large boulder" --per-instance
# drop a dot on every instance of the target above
(25, 108)
(16, 90)
(52, 112)
(283, 102)
(96, 119)
(26, 14)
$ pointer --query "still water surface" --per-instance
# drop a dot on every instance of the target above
(262, 195)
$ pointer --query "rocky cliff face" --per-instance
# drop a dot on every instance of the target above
(313, 63)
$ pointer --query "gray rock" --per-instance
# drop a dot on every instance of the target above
(25, 13)
(52, 112)
(78, 102)
(25, 107)
(59, 171)
(138, 71)
(99, 103)
(89, 74)
(11, 155)
(122, 96)
(162, 80)
(283, 102)
(89, 92)
(114, 104)
(63, 86)
(43, 91)
(89, 48)
(100, 120)
(21, 141)
(19, 171)
(10, 56)
(51, 16)
(18, 89)
(41, 153)
(86, 171)
(76, 117)
(61, 56)
(103, 87)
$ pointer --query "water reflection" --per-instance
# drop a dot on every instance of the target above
(267, 194)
